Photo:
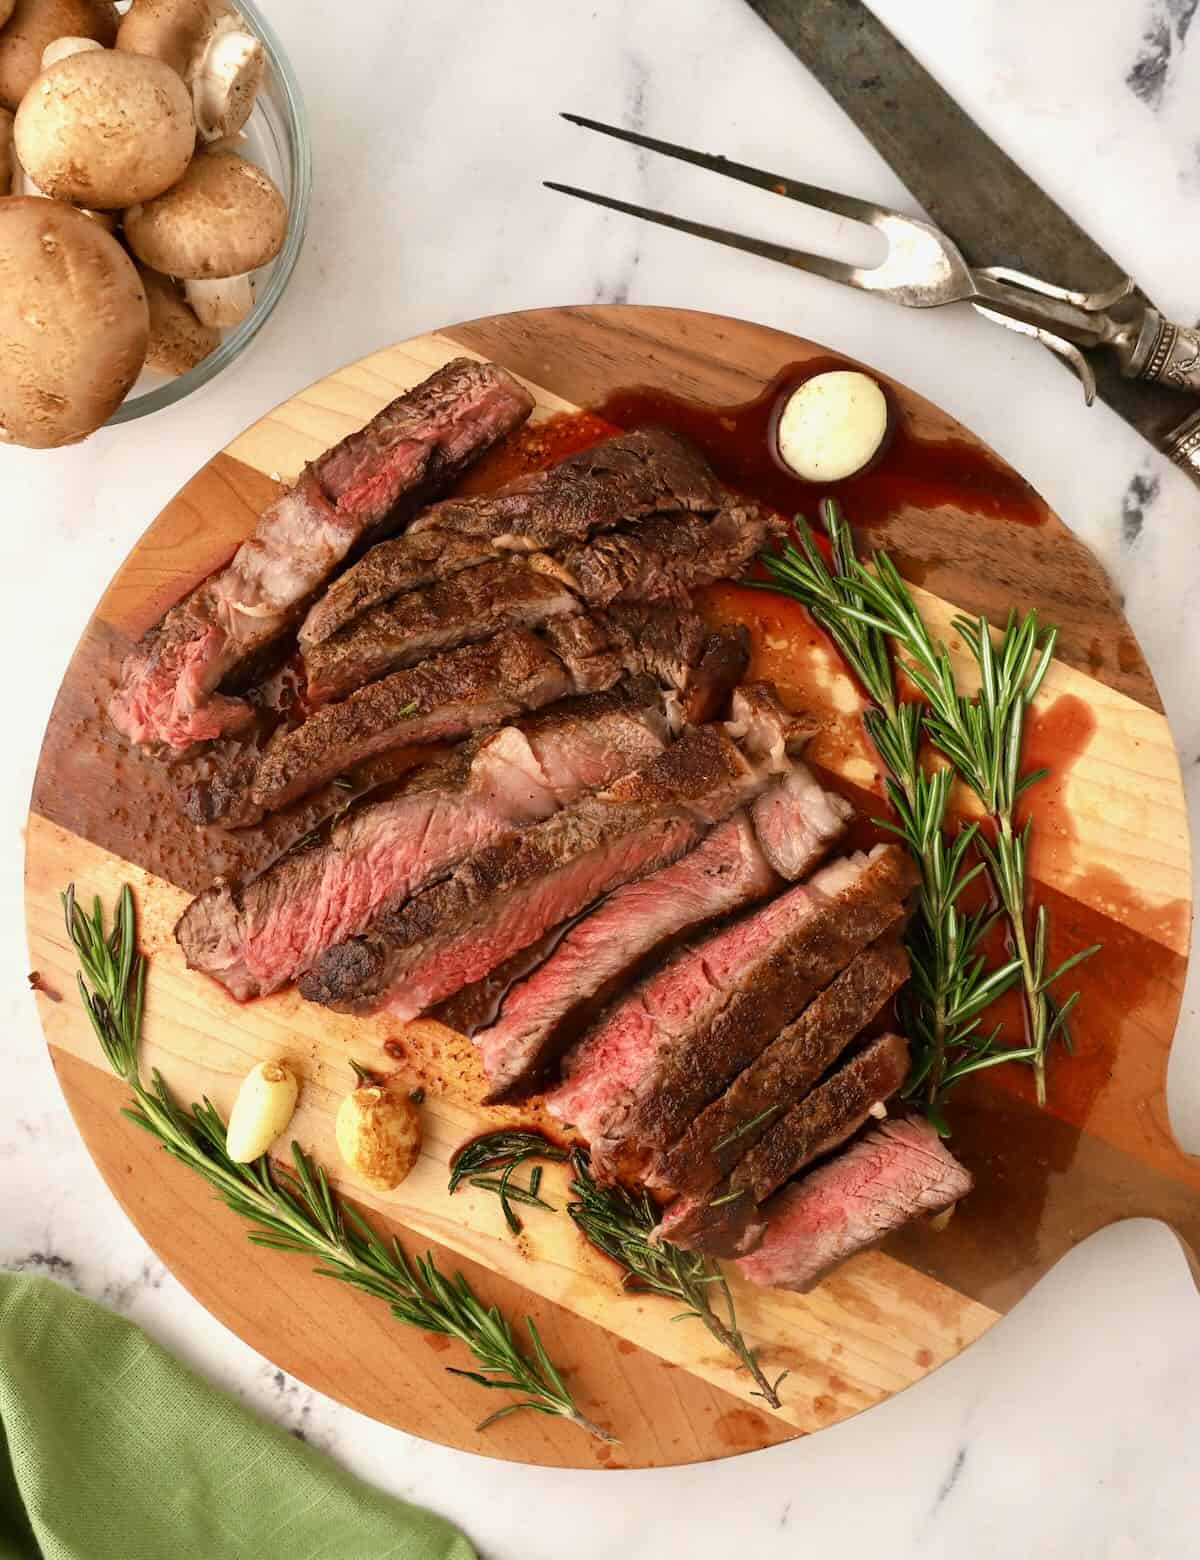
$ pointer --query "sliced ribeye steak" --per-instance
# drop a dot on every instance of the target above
(509, 894)
(371, 482)
(546, 1014)
(473, 605)
(899, 1171)
(619, 482)
(641, 1076)
(725, 1222)
(785, 1072)
(259, 938)
(448, 695)
(443, 699)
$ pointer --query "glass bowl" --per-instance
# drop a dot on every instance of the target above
(278, 142)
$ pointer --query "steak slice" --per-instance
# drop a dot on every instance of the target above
(726, 1222)
(259, 938)
(673, 644)
(721, 667)
(514, 671)
(441, 700)
(796, 820)
(546, 1014)
(636, 1082)
(899, 1171)
(669, 555)
(390, 569)
(727, 871)
(408, 453)
(585, 648)
(473, 605)
(617, 482)
(785, 1072)
(509, 894)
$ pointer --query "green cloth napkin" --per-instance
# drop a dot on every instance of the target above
(110, 1449)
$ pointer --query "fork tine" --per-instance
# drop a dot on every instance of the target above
(798, 259)
(774, 183)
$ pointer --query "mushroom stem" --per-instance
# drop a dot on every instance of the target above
(225, 79)
(221, 303)
(63, 48)
(178, 340)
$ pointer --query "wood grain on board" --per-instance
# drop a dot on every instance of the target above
(1111, 862)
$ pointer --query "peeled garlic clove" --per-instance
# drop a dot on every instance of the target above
(833, 425)
(378, 1130)
(262, 1110)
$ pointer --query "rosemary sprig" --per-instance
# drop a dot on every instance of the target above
(504, 1151)
(620, 1224)
(951, 983)
(863, 608)
(298, 1210)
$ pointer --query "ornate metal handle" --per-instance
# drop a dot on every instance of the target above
(1182, 444)
(1168, 354)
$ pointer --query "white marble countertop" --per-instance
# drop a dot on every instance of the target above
(1072, 1428)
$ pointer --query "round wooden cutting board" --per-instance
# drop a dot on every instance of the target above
(1111, 861)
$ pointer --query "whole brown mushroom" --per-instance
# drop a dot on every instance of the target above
(178, 340)
(22, 184)
(105, 129)
(224, 219)
(36, 23)
(73, 323)
(209, 45)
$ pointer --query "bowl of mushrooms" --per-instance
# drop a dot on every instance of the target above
(154, 187)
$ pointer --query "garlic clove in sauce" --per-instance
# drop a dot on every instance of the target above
(833, 426)
(263, 1108)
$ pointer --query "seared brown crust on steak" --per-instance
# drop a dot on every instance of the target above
(725, 1131)
(631, 475)
(669, 555)
(721, 667)
(776, 991)
(620, 481)
(473, 605)
(726, 1224)
(390, 569)
(438, 701)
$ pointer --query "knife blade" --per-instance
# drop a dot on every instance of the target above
(994, 212)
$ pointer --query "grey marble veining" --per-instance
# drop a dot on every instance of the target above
(1071, 1430)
